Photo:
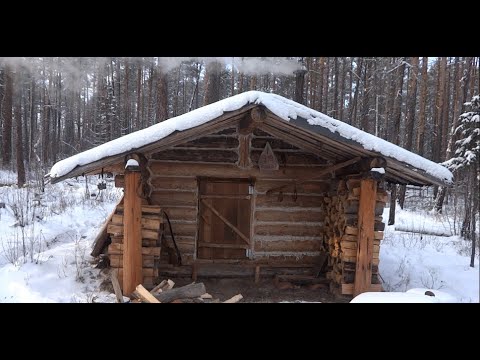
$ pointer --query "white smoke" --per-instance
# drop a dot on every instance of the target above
(246, 65)
(75, 71)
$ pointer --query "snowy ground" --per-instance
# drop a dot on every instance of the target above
(57, 243)
(60, 226)
(411, 260)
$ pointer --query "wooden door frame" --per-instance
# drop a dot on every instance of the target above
(248, 179)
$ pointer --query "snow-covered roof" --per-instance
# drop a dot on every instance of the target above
(283, 108)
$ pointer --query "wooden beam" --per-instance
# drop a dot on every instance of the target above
(228, 223)
(223, 246)
(132, 241)
(366, 235)
(226, 196)
(319, 174)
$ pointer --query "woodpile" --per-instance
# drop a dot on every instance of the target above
(341, 233)
(152, 229)
(166, 293)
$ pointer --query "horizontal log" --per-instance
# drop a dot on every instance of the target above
(347, 289)
(167, 198)
(184, 292)
(173, 183)
(198, 155)
(181, 214)
(287, 200)
(264, 214)
(118, 230)
(291, 229)
(226, 196)
(222, 246)
(279, 259)
(181, 229)
(148, 224)
(419, 229)
(146, 209)
(148, 281)
(316, 187)
(298, 245)
(227, 171)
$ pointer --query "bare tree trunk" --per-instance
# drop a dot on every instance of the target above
(423, 105)
(31, 138)
(321, 67)
(397, 103)
(139, 123)
(357, 75)
(336, 71)
(475, 210)
(393, 198)
(438, 114)
(342, 88)
(397, 113)
(410, 117)
(366, 89)
(7, 117)
(127, 128)
(326, 85)
(19, 143)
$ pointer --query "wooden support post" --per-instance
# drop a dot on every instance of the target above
(366, 224)
(132, 230)
(194, 271)
(257, 274)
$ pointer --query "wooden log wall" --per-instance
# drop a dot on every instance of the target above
(341, 232)
(286, 227)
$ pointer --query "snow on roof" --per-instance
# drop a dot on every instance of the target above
(280, 106)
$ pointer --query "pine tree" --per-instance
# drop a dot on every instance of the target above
(465, 162)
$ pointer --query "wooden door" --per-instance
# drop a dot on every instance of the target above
(224, 210)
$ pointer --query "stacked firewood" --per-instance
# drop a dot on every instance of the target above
(152, 228)
(165, 292)
(341, 230)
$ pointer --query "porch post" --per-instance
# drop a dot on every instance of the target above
(132, 230)
(366, 227)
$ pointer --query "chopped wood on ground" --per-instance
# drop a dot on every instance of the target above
(165, 293)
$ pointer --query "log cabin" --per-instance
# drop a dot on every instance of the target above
(254, 183)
